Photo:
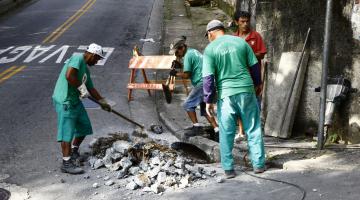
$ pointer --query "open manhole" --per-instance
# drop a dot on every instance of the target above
(4, 194)
(191, 151)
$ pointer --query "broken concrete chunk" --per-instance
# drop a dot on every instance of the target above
(170, 181)
(95, 185)
(212, 173)
(109, 151)
(161, 177)
(93, 142)
(109, 183)
(142, 180)
(106, 178)
(220, 179)
(155, 161)
(168, 164)
(158, 129)
(121, 174)
(157, 188)
(98, 163)
(201, 170)
(121, 146)
(180, 172)
(92, 161)
(116, 156)
(125, 163)
(146, 189)
(116, 166)
(198, 175)
(134, 170)
(189, 168)
(144, 166)
(107, 161)
(154, 172)
(155, 153)
(179, 163)
(185, 181)
(131, 186)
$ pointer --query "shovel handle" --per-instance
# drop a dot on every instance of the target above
(118, 114)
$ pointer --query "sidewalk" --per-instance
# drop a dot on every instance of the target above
(191, 22)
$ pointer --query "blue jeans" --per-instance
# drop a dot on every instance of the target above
(229, 109)
(194, 99)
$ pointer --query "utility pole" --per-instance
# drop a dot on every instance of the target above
(324, 76)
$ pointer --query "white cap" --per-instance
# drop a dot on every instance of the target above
(95, 49)
(214, 25)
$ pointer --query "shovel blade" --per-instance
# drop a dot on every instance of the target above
(167, 93)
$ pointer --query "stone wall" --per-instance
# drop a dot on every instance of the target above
(284, 23)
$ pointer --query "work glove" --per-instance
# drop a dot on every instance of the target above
(176, 64)
(105, 105)
(84, 93)
(173, 72)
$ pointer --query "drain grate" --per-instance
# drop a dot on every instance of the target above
(4, 194)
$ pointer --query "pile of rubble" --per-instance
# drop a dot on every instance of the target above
(149, 166)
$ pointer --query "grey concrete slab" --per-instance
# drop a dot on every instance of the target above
(281, 113)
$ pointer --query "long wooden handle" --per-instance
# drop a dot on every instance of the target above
(118, 114)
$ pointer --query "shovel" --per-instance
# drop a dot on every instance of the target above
(170, 81)
(119, 114)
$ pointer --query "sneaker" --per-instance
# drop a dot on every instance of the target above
(259, 170)
(239, 138)
(230, 174)
(69, 167)
(195, 130)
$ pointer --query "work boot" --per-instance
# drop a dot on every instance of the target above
(76, 157)
(259, 170)
(75, 153)
(69, 167)
(230, 174)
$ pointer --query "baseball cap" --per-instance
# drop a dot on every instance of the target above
(95, 49)
(176, 44)
(214, 25)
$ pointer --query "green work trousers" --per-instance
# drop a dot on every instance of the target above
(229, 109)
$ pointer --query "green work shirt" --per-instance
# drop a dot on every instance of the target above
(65, 93)
(228, 58)
(193, 61)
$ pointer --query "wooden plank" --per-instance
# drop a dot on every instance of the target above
(132, 79)
(151, 62)
(145, 86)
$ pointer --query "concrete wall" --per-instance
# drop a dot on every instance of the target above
(283, 24)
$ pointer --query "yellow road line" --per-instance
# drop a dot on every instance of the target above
(66, 22)
(7, 71)
(12, 74)
(58, 30)
(71, 23)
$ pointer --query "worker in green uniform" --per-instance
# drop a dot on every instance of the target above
(226, 64)
(74, 82)
(192, 62)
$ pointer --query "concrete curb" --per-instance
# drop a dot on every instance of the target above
(8, 5)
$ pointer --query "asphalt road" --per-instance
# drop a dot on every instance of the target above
(32, 53)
